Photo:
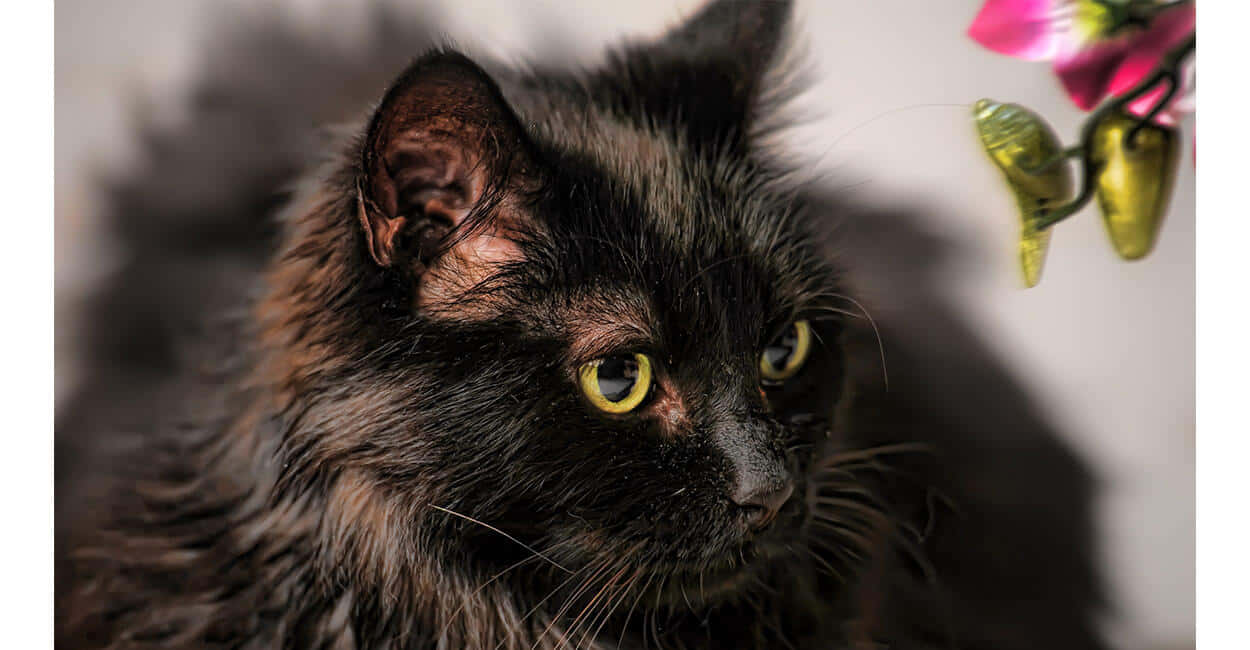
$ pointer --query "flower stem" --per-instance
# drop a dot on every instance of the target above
(1070, 152)
(1164, 6)
(1174, 82)
(1168, 71)
(1137, 13)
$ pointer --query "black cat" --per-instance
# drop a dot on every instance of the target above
(543, 358)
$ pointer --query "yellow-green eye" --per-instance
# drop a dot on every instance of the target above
(616, 384)
(783, 357)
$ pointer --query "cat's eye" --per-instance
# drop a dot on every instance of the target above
(616, 384)
(783, 358)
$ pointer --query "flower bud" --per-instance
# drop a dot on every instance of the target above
(1020, 143)
(1134, 181)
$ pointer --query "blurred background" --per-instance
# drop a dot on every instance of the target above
(1107, 346)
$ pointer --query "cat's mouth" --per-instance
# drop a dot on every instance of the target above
(737, 571)
(682, 570)
(695, 585)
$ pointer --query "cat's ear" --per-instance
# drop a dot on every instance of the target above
(711, 72)
(442, 145)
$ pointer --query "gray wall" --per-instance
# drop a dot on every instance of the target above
(1108, 346)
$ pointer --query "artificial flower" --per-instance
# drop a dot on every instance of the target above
(1095, 52)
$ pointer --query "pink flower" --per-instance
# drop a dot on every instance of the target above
(1092, 57)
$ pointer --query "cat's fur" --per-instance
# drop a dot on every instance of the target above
(383, 447)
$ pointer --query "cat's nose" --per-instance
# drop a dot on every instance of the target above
(761, 500)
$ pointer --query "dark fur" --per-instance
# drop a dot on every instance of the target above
(308, 455)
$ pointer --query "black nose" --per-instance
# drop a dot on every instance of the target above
(761, 501)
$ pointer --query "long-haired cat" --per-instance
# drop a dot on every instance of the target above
(538, 358)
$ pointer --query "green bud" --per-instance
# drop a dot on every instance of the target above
(1134, 181)
(1020, 143)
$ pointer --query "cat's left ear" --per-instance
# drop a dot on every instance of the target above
(442, 148)
(709, 74)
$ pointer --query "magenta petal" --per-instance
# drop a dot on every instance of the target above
(1143, 105)
(1145, 50)
(1087, 74)
(1020, 28)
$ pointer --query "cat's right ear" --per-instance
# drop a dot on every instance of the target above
(712, 73)
(442, 148)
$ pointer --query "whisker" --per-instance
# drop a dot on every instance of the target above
(490, 527)
(616, 599)
(594, 602)
(826, 564)
(604, 566)
(641, 593)
(835, 310)
(885, 375)
(544, 599)
(884, 114)
(465, 603)
(655, 632)
(851, 455)
(855, 536)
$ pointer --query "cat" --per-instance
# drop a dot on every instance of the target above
(540, 357)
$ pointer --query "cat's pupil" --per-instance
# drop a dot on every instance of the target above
(778, 354)
(617, 376)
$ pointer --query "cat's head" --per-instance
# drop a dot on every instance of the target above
(573, 319)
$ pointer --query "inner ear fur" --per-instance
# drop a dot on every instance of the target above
(443, 148)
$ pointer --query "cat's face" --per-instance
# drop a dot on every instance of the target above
(645, 383)
(616, 342)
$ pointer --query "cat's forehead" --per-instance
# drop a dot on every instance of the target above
(689, 197)
(660, 242)
(659, 172)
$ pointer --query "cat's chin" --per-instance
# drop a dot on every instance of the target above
(712, 585)
(738, 575)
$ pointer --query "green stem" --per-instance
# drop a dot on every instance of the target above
(1070, 152)
(1164, 6)
(1174, 83)
(1138, 13)
(1167, 70)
